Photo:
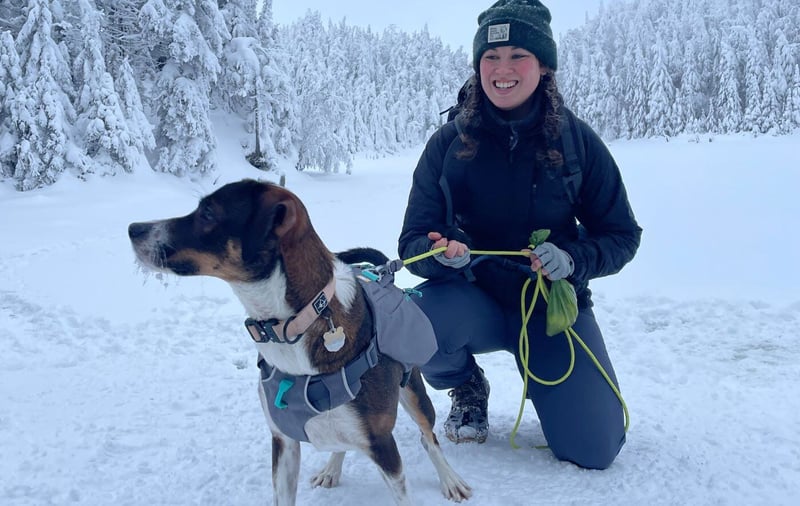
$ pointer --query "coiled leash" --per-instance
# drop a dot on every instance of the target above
(524, 345)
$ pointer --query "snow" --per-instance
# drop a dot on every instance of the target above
(124, 388)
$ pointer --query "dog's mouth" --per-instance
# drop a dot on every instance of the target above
(152, 253)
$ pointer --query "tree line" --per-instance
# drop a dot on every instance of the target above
(111, 86)
(663, 68)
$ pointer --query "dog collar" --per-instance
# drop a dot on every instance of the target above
(289, 331)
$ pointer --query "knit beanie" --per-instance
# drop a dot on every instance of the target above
(521, 23)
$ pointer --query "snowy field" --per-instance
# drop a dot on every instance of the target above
(126, 389)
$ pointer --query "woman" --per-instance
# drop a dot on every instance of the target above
(486, 181)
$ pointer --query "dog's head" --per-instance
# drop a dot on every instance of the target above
(238, 234)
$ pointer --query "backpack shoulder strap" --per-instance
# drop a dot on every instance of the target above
(574, 156)
(450, 154)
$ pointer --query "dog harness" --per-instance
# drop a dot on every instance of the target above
(400, 330)
(294, 400)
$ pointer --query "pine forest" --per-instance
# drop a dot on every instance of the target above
(103, 87)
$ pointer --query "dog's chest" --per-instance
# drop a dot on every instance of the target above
(292, 359)
(336, 430)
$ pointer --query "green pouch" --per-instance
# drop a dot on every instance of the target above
(562, 308)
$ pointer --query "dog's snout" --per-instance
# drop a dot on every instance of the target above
(138, 230)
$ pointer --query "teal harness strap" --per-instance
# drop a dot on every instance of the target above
(283, 388)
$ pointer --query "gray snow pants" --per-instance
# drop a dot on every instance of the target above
(582, 419)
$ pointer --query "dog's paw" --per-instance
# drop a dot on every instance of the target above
(325, 479)
(455, 488)
(329, 476)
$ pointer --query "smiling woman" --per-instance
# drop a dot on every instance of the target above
(507, 165)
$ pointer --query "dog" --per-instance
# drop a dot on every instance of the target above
(258, 237)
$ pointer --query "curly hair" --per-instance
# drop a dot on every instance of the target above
(549, 152)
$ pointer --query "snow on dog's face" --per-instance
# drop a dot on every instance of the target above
(236, 234)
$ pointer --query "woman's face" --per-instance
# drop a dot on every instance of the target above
(509, 75)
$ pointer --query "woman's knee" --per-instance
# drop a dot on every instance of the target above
(591, 451)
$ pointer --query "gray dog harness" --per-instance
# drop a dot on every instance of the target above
(401, 331)
(293, 400)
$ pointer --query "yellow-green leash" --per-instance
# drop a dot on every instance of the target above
(524, 345)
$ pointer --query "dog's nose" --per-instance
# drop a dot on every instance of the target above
(137, 230)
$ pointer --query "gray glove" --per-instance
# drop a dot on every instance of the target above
(555, 260)
(455, 262)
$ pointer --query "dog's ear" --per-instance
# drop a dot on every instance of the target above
(270, 221)
(286, 217)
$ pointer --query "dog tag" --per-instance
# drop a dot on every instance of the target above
(334, 339)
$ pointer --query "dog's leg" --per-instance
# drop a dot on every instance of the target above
(328, 477)
(285, 461)
(383, 451)
(416, 402)
(285, 469)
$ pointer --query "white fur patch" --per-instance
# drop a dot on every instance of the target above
(345, 284)
(266, 298)
(337, 430)
(148, 250)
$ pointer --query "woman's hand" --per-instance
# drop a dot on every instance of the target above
(554, 261)
(456, 255)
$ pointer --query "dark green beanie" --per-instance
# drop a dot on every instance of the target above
(521, 23)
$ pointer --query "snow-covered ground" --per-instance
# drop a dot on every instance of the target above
(127, 389)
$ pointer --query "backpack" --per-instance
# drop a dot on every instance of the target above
(403, 331)
(572, 149)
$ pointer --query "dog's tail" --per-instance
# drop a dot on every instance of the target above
(362, 255)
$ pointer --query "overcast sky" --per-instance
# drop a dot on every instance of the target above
(455, 21)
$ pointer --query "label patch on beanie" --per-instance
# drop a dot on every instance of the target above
(499, 33)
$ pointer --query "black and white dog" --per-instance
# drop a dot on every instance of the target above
(310, 320)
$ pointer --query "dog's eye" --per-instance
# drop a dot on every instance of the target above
(206, 216)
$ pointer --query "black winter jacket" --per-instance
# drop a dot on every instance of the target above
(503, 194)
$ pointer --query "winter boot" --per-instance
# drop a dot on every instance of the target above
(469, 418)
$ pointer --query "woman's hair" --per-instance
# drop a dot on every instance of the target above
(548, 152)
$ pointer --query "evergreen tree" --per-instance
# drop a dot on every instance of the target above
(240, 16)
(186, 37)
(139, 127)
(781, 76)
(319, 144)
(101, 123)
(727, 103)
(10, 81)
(277, 99)
(755, 82)
(661, 95)
(43, 112)
(123, 38)
(793, 99)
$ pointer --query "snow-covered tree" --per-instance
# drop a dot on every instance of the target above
(661, 94)
(793, 98)
(10, 81)
(277, 99)
(101, 124)
(139, 127)
(185, 38)
(729, 61)
(43, 113)
(240, 16)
